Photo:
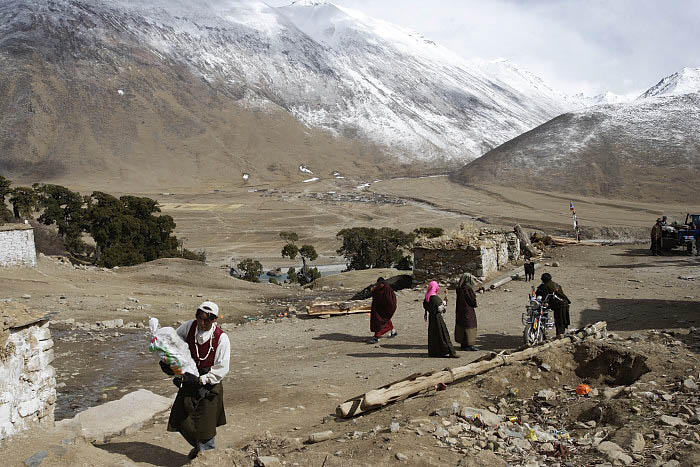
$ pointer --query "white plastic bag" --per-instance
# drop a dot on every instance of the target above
(172, 349)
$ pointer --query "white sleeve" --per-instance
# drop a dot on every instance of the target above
(183, 329)
(222, 358)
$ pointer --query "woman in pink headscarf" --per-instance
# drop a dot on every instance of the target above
(439, 342)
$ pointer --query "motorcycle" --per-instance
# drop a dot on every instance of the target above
(538, 317)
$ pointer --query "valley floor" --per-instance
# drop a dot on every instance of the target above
(288, 374)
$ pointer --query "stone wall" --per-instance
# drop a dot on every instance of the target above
(17, 245)
(27, 380)
(447, 258)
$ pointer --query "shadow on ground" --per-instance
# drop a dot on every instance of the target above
(146, 453)
(638, 314)
(670, 258)
(391, 355)
(498, 342)
(342, 337)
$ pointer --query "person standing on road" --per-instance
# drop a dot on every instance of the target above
(465, 322)
(656, 238)
(199, 405)
(439, 342)
(529, 270)
(559, 304)
(383, 308)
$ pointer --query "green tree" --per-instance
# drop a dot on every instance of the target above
(24, 201)
(251, 268)
(366, 247)
(429, 232)
(307, 253)
(64, 208)
(5, 214)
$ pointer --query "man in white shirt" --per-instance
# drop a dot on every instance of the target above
(199, 406)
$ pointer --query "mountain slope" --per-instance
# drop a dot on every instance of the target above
(97, 87)
(647, 149)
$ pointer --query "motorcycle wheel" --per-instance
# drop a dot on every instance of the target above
(530, 336)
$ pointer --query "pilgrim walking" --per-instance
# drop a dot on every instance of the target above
(383, 308)
(465, 321)
(199, 406)
(439, 342)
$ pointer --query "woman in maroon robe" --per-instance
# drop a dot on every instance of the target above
(383, 308)
(465, 322)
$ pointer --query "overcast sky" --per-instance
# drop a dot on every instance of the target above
(586, 46)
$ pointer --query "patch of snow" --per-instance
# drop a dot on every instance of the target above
(120, 92)
(686, 81)
(305, 169)
(309, 180)
(364, 186)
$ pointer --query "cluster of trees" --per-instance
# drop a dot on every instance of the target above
(363, 248)
(367, 247)
(125, 230)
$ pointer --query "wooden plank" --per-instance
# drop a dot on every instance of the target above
(339, 308)
(417, 383)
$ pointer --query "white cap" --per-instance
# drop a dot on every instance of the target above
(209, 307)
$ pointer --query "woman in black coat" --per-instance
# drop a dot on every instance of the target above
(439, 342)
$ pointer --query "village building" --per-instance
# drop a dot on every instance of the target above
(17, 245)
(27, 379)
(481, 252)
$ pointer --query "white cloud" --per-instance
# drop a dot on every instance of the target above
(576, 45)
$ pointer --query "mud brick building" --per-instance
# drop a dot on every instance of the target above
(17, 245)
(27, 379)
(480, 252)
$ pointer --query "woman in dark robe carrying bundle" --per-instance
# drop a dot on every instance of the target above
(465, 322)
(383, 308)
(199, 405)
(439, 342)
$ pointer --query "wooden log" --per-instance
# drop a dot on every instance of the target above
(525, 244)
(338, 308)
(416, 383)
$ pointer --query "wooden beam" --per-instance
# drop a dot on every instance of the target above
(339, 308)
(419, 382)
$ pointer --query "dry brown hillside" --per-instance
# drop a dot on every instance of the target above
(67, 122)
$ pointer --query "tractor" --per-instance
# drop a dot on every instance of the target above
(677, 235)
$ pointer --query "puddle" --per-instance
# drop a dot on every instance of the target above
(90, 368)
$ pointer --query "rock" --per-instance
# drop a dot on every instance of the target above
(671, 463)
(521, 443)
(110, 324)
(546, 394)
(555, 264)
(447, 411)
(671, 421)
(689, 385)
(320, 436)
(487, 417)
(637, 443)
(440, 432)
(610, 393)
(614, 452)
(27, 297)
(36, 459)
(394, 427)
(401, 457)
(547, 447)
(545, 367)
(267, 461)
(118, 417)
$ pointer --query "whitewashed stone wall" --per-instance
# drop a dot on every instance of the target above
(27, 380)
(17, 246)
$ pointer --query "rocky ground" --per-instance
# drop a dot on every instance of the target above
(288, 373)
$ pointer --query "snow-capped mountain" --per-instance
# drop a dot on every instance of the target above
(686, 81)
(605, 98)
(647, 148)
(330, 67)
